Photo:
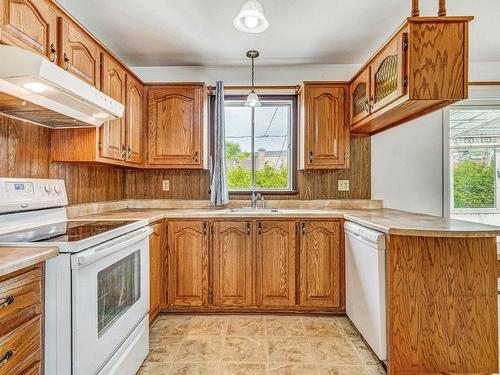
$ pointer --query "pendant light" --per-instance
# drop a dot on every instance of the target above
(251, 18)
(253, 98)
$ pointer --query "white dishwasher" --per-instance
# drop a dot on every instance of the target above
(366, 285)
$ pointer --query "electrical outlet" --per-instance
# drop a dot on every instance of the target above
(166, 185)
(343, 185)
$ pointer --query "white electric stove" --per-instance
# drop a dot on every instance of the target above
(96, 290)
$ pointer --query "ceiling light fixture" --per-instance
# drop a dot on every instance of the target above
(251, 18)
(253, 98)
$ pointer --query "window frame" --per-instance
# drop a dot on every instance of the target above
(293, 163)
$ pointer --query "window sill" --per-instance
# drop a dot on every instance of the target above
(265, 192)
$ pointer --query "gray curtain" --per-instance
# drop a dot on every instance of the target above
(219, 193)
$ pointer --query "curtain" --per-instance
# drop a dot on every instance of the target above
(219, 193)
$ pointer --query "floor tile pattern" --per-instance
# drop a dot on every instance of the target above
(257, 345)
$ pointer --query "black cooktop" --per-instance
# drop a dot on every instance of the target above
(66, 231)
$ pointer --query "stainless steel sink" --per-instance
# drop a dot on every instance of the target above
(256, 210)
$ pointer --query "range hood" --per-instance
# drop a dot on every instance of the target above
(35, 89)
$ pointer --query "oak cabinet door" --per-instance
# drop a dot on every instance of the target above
(112, 133)
(155, 271)
(188, 263)
(175, 116)
(78, 53)
(388, 73)
(327, 136)
(134, 118)
(30, 24)
(359, 90)
(320, 264)
(276, 263)
(233, 264)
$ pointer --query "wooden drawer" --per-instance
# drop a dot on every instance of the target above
(36, 369)
(20, 299)
(21, 349)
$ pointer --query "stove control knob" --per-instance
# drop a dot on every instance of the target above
(48, 188)
(57, 189)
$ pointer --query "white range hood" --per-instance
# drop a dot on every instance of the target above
(35, 89)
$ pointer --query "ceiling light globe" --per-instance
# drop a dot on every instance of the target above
(253, 100)
(251, 18)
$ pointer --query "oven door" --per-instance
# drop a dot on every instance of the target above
(110, 296)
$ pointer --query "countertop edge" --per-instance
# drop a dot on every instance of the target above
(23, 257)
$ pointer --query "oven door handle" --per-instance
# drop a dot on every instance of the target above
(103, 250)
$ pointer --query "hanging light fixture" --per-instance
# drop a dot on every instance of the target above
(253, 98)
(251, 18)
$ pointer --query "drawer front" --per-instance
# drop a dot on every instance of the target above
(21, 348)
(20, 299)
(36, 369)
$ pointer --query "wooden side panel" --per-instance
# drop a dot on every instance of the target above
(112, 133)
(359, 90)
(78, 53)
(134, 120)
(188, 263)
(276, 264)
(320, 264)
(155, 270)
(233, 264)
(438, 60)
(442, 305)
(29, 24)
(175, 117)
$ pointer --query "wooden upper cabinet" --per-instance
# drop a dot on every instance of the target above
(134, 119)
(112, 139)
(78, 53)
(388, 74)
(188, 263)
(276, 264)
(233, 264)
(177, 126)
(320, 264)
(30, 24)
(155, 270)
(360, 94)
(325, 134)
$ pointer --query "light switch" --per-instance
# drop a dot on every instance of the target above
(166, 185)
(343, 185)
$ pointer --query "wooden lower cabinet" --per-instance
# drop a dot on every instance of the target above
(275, 263)
(233, 258)
(155, 270)
(187, 263)
(320, 264)
(254, 265)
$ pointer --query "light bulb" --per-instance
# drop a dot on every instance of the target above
(251, 22)
(253, 100)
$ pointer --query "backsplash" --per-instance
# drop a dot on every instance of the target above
(25, 148)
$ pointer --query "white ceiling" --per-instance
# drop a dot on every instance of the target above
(200, 32)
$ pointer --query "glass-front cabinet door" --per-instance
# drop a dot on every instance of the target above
(360, 96)
(388, 73)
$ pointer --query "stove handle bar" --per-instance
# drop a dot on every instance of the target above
(103, 250)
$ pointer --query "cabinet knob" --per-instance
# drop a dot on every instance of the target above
(8, 301)
(248, 229)
(66, 62)
(196, 156)
(53, 53)
(260, 228)
(311, 157)
(303, 228)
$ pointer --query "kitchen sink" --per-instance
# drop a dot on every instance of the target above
(256, 210)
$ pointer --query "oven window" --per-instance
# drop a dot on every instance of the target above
(118, 288)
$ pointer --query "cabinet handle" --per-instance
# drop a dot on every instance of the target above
(372, 102)
(124, 151)
(248, 229)
(66, 62)
(260, 228)
(311, 156)
(8, 301)
(196, 156)
(204, 229)
(6, 357)
(303, 228)
(53, 53)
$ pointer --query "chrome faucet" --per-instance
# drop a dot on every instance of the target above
(255, 198)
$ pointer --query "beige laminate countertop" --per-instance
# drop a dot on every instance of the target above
(389, 221)
(13, 259)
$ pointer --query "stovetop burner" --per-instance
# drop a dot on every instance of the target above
(66, 231)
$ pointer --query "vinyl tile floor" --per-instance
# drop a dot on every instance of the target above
(257, 345)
